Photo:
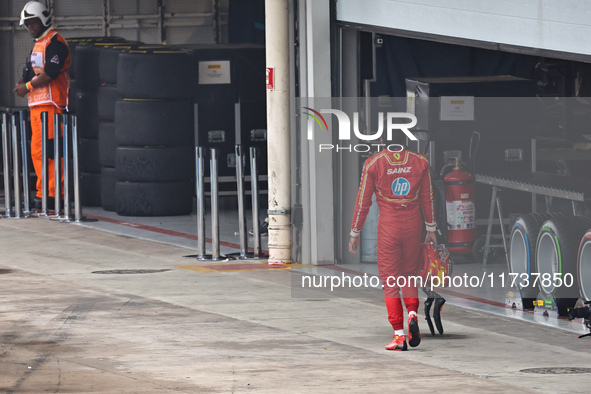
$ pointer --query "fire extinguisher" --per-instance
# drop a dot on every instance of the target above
(461, 214)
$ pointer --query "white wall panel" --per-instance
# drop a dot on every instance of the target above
(188, 6)
(78, 7)
(554, 25)
(143, 7)
(86, 18)
(190, 35)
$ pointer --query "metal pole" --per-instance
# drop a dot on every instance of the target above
(200, 186)
(278, 120)
(237, 124)
(200, 203)
(25, 164)
(6, 166)
(215, 225)
(241, 215)
(66, 125)
(76, 170)
(44, 185)
(254, 189)
(15, 169)
(56, 165)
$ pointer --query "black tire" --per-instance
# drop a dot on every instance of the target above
(72, 44)
(108, 65)
(106, 99)
(108, 186)
(87, 114)
(584, 266)
(154, 199)
(556, 253)
(153, 74)
(82, 41)
(89, 156)
(72, 96)
(90, 189)
(107, 144)
(86, 67)
(72, 48)
(154, 164)
(522, 250)
(154, 123)
(109, 56)
(543, 216)
(108, 62)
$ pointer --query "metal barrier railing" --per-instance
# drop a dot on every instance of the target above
(215, 213)
(44, 183)
(14, 163)
(6, 166)
(25, 164)
(200, 204)
(15, 166)
(214, 195)
(254, 190)
(17, 195)
(56, 167)
(242, 225)
(241, 215)
(66, 138)
(76, 169)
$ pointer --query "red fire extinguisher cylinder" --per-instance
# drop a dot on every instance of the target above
(461, 213)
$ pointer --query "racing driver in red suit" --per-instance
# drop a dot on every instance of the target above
(401, 182)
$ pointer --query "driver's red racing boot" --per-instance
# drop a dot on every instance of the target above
(414, 336)
(398, 343)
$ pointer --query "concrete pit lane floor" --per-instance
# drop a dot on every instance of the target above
(89, 311)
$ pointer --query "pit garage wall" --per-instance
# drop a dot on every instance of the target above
(560, 26)
(174, 22)
(552, 28)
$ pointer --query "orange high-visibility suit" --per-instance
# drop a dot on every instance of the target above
(50, 55)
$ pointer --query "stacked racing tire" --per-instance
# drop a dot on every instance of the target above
(108, 95)
(84, 93)
(557, 255)
(584, 266)
(522, 253)
(154, 155)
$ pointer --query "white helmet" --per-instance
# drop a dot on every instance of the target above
(34, 9)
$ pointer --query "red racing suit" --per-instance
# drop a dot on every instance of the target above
(402, 184)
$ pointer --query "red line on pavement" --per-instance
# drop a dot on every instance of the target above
(163, 231)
